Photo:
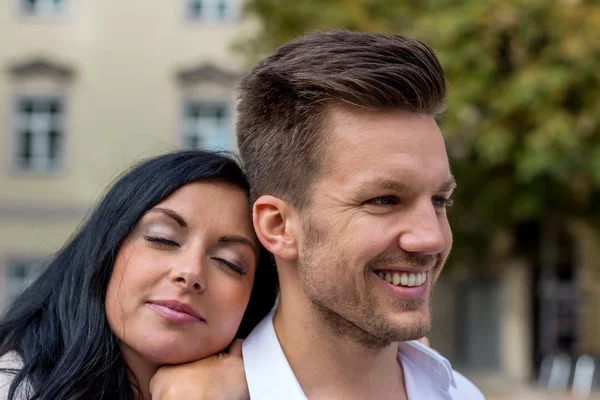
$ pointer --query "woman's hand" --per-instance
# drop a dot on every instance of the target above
(219, 377)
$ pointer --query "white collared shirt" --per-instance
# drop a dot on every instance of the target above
(427, 375)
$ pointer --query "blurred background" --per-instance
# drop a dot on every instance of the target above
(87, 88)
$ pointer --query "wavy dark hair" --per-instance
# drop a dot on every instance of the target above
(58, 324)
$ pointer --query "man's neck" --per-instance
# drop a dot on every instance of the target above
(328, 366)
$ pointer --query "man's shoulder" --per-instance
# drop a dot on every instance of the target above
(465, 389)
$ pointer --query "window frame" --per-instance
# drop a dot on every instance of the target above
(42, 262)
(13, 146)
(230, 121)
(66, 12)
(229, 18)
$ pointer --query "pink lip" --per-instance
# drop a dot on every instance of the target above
(404, 292)
(176, 311)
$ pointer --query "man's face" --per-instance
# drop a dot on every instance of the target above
(376, 234)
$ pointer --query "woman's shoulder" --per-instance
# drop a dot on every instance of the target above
(11, 360)
(10, 364)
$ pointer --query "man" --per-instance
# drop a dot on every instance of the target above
(350, 184)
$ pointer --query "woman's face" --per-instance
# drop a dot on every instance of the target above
(182, 278)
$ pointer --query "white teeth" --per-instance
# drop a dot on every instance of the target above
(403, 278)
(411, 280)
(421, 278)
(388, 278)
(418, 279)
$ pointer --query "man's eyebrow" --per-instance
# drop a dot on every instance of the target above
(385, 183)
(239, 239)
(178, 218)
(399, 186)
(448, 186)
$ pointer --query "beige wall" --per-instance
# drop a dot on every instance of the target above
(124, 100)
(123, 104)
(32, 238)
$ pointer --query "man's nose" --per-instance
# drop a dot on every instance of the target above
(424, 231)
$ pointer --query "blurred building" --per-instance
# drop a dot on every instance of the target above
(543, 303)
(89, 87)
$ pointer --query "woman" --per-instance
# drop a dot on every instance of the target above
(161, 273)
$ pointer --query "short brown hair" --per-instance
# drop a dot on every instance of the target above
(284, 100)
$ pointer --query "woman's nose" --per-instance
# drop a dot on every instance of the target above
(190, 274)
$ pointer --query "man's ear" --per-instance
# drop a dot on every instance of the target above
(275, 222)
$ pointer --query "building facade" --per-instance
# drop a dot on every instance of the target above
(510, 323)
(88, 88)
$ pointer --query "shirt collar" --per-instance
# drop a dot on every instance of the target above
(270, 376)
(425, 362)
(268, 372)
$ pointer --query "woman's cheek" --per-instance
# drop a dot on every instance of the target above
(230, 308)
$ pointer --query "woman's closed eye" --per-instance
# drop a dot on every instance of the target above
(161, 242)
(228, 264)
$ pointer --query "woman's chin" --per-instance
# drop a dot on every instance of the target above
(176, 356)
(179, 353)
(167, 348)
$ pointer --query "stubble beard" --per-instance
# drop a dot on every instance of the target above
(343, 309)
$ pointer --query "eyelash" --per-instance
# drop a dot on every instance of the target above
(445, 202)
(169, 243)
(161, 241)
(393, 200)
(231, 266)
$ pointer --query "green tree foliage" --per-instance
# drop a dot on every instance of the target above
(523, 122)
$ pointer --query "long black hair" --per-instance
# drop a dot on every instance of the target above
(58, 324)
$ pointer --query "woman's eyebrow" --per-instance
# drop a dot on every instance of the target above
(167, 211)
(239, 239)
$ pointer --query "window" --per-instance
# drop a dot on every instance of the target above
(207, 125)
(213, 10)
(39, 133)
(19, 274)
(43, 7)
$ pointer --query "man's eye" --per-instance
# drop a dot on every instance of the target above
(384, 200)
(162, 242)
(441, 202)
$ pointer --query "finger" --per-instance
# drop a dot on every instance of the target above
(154, 386)
(236, 348)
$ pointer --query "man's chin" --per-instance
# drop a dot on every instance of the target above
(411, 325)
(402, 306)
